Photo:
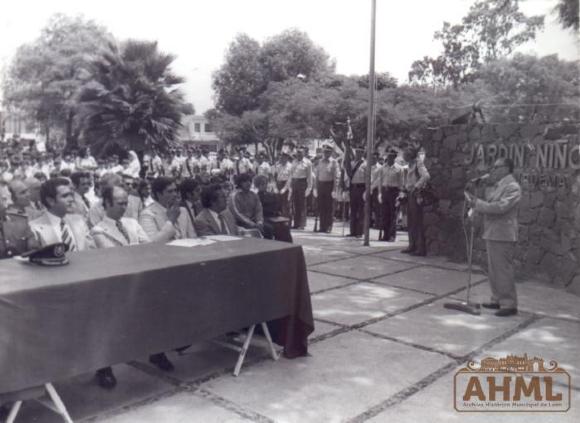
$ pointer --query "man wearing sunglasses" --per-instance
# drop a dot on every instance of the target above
(500, 212)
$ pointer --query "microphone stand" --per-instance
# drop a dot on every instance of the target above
(469, 231)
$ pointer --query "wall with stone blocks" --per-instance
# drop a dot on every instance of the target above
(548, 167)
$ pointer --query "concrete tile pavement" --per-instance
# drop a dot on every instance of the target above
(384, 349)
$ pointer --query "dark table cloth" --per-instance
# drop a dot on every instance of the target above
(114, 305)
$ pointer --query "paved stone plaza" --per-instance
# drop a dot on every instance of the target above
(384, 349)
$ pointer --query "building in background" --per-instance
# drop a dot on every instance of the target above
(197, 131)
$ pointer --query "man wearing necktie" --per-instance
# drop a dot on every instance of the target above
(57, 224)
(215, 218)
(117, 231)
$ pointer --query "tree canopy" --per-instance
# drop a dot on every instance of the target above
(567, 11)
(252, 86)
(133, 100)
(529, 88)
(491, 30)
(46, 75)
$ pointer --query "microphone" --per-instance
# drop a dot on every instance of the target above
(479, 179)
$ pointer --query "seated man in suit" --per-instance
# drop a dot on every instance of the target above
(134, 205)
(82, 185)
(117, 231)
(97, 211)
(56, 224)
(165, 220)
(215, 218)
(190, 191)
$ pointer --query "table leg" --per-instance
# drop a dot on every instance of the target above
(242, 355)
(58, 402)
(275, 355)
(13, 412)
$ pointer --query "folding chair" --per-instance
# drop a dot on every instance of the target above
(57, 405)
(242, 348)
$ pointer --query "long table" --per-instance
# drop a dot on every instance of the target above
(113, 305)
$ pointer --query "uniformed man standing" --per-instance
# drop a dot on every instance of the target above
(326, 173)
(376, 211)
(356, 171)
(301, 187)
(389, 182)
(282, 172)
(262, 167)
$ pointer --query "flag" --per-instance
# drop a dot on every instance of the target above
(349, 135)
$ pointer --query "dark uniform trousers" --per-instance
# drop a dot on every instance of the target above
(415, 224)
(356, 209)
(376, 210)
(285, 204)
(325, 205)
(299, 186)
(389, 211)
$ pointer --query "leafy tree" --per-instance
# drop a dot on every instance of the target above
(133, 101)
(46, 75)
(567, 11)
(491, 30)
(251, 88)
(527, 87)
(240, 80)
(292, 54)
(382, 81)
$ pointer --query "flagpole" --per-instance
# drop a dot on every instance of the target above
(370, 128)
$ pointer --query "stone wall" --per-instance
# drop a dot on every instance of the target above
(548, 168)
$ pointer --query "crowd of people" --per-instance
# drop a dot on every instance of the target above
(262, 197)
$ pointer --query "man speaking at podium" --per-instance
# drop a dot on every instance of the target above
(500, 212)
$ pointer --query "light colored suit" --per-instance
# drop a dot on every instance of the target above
(97, 212)
(79, 206)
(46, 233)
(500, 213)
(158, 228)
(205, 224)
(106, 234)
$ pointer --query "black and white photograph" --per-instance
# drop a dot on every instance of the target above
(305, 211)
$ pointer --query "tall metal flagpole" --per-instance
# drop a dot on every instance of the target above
(370, 128)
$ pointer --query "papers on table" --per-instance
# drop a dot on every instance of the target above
(223, 237)
(190, 242)
(208, 240)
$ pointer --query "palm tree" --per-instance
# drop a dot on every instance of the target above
(132, 102)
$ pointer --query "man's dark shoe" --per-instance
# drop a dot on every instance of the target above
(105, 378)
(493, 306)
(162, 362)
(418, 253)
(407, 251)
(505, 312)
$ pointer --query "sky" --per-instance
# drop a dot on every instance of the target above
(198, 32)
